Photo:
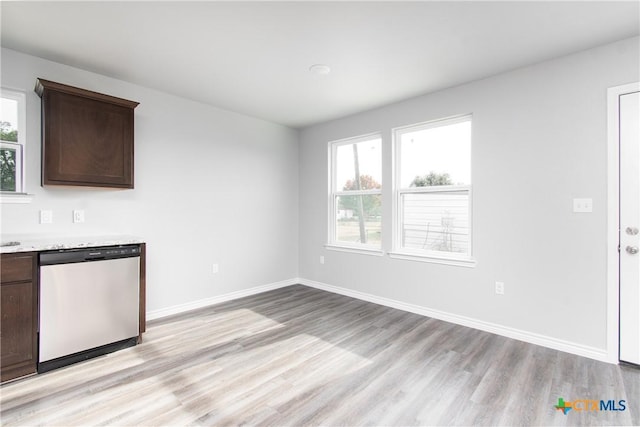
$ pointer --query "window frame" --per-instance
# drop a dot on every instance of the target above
(20, 194)
(398, 250)
(333, 193)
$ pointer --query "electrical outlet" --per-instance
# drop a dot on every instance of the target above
(215, 268)
(46, 217)
(583, 205)
(500, 288)
(321, 259)
(78, 216)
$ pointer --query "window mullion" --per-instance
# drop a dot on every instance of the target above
(436, 189)
(357, 192)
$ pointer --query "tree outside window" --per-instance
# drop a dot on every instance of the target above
(8, 157)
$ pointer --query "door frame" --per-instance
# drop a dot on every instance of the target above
(613, 216)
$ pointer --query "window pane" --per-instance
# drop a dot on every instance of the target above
(11, 149)
(358, 219)
(436, 156)
(362, 157)
(437, 221)
(9, 120)
(8, 167)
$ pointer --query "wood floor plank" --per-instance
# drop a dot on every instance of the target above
(300, 356)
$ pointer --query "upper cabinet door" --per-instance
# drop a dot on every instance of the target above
(87, 137)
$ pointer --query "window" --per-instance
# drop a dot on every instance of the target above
(12, 140)
(433, 189)
(355, 218)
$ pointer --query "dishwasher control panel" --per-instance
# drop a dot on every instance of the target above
(119, 251)
(67, 256)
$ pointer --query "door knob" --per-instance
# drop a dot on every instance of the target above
(631, 231)
(632, 250)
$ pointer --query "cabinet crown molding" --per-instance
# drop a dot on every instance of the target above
(43, 85)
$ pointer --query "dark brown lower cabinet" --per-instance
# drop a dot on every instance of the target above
(19, 315)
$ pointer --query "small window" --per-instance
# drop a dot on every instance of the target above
(356, 193)
(433, 189)
(12, 140)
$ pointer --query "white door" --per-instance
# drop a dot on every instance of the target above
(629, 104)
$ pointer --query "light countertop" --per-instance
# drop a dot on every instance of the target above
(30, 243)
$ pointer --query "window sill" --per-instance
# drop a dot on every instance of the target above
(6, 198)
(355, 249)
(458, 262)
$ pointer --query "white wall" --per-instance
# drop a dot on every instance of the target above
(539, 140)
(210, 186)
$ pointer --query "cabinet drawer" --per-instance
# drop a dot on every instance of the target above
(16, 267)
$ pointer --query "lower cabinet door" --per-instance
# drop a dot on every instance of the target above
(18, 327)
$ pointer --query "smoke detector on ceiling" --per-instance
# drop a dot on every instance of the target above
(320, 69)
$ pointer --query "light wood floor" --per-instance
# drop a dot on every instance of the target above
(299, 356)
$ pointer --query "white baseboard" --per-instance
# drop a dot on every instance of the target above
(529, 337)
(181, 308)
(518, 334)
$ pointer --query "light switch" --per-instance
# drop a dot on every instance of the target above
(583, 205)
(46, 217)
(78, 216)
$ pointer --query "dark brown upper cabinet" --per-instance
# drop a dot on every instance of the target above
(87, 137)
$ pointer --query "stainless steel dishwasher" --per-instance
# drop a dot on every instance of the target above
(89, 303)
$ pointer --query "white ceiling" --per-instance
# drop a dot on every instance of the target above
(253, 57)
